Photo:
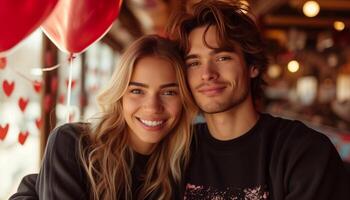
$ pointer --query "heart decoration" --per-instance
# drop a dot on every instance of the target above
(22, 103)
(3, 131)
(54, 84)
(73, 83)
(47, 102)
(38, 122)
(22, 137)
(37, 86)
(3, 63)
(8, 87)
(61, 99)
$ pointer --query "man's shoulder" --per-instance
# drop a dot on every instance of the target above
(294, 131)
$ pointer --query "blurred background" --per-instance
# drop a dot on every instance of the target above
(308, 44)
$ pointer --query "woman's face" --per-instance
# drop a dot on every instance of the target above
(151, 104)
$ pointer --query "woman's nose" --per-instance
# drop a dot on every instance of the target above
(153, 104)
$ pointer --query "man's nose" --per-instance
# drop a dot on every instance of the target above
(209, 71)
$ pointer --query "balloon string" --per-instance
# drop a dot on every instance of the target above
(69, 89)
(47, 69)
(22, 75)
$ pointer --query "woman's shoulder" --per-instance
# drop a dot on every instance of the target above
(64, 140)
(68, 133)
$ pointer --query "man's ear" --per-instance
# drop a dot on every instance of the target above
(253, 71)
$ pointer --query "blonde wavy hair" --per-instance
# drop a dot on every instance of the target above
(105, 154)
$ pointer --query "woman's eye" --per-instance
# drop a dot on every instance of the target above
(136, 91)
(192, 64)
(170, 93)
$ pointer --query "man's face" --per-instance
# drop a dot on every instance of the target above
(218, 78)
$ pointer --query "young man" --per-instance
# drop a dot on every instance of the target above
(241, 153)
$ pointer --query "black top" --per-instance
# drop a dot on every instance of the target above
(61, 175)
(277, 159)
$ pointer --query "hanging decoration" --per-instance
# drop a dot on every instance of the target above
(8, 87)
(47, 102)
(22, 103)
(54, 84)
(75, 24)
(20, 18)
(3, 62)
(72, 85)
(22, 137)
(38, 122)
(37, 86)
(3, 131)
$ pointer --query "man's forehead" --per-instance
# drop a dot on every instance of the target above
(197, 34)
(201, 38)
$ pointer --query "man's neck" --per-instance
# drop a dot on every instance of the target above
(232, 123)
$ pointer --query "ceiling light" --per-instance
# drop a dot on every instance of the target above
(339, 25)
(293, 66)
(311, 8)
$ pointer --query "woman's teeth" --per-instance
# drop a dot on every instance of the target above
(151, 123)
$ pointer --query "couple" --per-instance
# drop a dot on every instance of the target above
(142, 146)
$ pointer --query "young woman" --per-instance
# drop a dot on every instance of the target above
(139, 146)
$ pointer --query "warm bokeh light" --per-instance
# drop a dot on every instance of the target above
(274, 71)
(339, 25)
(293, 66)
(311, 8)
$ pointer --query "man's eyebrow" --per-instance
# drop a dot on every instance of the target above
(190, 56)
(212, 52)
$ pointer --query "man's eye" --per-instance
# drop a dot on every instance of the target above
(136, 91)
(223, 58)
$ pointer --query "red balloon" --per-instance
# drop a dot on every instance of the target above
(75, 24)
(19, 18)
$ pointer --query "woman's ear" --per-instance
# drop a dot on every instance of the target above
(253, 71)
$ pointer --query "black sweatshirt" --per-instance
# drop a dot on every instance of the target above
(61, 175)
(277, 159)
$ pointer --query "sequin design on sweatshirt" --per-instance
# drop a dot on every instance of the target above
(194, 192)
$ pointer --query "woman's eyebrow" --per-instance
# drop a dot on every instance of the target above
(138, 84)
(169, 85)
(146, 86)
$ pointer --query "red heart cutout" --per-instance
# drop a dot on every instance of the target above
(3, 63)
(8, 87)
(22, 137)
(38, 122)
(54, 84)
(20, 18)
(74, 25)
(47, 102)
(3, 131)
(61, 99)
(23, 103)
(37, 86)
(73, 83)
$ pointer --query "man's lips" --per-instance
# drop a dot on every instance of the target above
(211, 90)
